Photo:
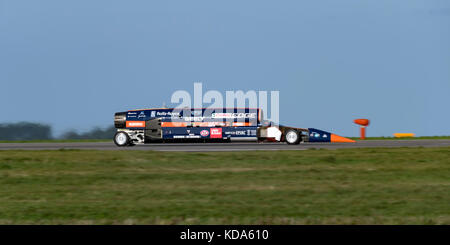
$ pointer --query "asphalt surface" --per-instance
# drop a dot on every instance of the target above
(241, 146)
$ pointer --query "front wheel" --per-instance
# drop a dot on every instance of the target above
(292, 137)
(122, 139)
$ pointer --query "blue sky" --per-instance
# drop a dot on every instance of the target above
(73, 64)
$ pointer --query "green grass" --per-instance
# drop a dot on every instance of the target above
(344, 186)
(406, 138)
(56, 141)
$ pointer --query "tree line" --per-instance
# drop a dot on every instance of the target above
(40, 131)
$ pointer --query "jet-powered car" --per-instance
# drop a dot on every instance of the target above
(209, 125)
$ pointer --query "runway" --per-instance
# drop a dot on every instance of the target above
(241, 146)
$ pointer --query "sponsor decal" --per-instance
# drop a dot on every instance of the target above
(216, 133)
(314, 134)
(318, 135)
(141, 115)
(165, 114)
(240, 124)
(194, 119)
(209, 124)
(186, 136)
(153, 114)
(173, 124)
(132, 114)
(236, 132)
(192, 136)
(233, 115)
(135, 124)
(204, 133)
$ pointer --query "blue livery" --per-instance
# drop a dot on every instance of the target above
(317, 135)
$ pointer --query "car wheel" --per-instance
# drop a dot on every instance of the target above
(122, 139)
(292, 137)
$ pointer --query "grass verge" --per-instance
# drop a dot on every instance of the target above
(344, 186)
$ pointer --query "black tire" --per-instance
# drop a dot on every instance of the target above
(121, 142)
(292, 137)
